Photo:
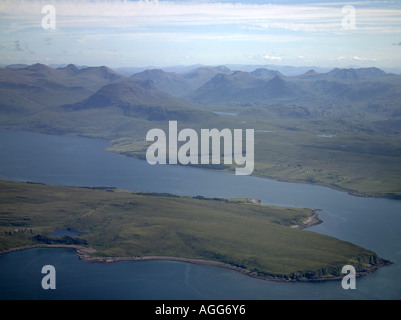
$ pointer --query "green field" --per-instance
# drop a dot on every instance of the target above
(365, 162)
(119, 223)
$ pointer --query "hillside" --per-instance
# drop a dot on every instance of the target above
(251, 238)
(140, 99)
(26, 90)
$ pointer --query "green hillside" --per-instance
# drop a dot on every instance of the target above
(252, 237)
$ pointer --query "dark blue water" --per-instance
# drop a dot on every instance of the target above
(75, 279)
(372, 223)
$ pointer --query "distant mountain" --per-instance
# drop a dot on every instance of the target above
(350, 84)
(180, 84)
(157, 94)
(140, 99)
(199, 76)
(227, 88)
(102, 72)
(124, 95)
(243, 87)
(288, 71)
(169, 82)
(89, 78)
(310, 74)
(356, 74)
(280, 88)
(28, 89)
(177, 69)
(337, 93)
(70, 69)
(16, 66)
(266, 74)
(42, 71)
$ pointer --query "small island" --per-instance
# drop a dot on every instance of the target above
(261, 241)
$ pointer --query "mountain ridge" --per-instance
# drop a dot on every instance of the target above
(338, 92)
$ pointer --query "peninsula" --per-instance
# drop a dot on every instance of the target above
(257, 240)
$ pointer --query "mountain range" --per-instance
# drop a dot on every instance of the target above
(339, 128)
(155, 94)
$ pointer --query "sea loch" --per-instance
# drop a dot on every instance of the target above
(370, 222)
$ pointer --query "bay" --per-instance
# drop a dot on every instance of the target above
(372, 223)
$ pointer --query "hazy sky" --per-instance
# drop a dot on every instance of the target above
(164, 33)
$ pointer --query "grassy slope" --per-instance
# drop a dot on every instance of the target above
(355, 160)
(122, 223)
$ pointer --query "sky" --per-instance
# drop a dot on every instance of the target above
(168, 33)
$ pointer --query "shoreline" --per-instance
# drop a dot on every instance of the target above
(313, 220)
(109, 148)
(350, 192)
(83, 253)
(87, 254)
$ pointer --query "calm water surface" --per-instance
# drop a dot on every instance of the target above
(372, 223)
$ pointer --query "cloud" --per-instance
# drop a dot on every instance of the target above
(271, 58)
(356, 58)
(145, 31)
(135, 14)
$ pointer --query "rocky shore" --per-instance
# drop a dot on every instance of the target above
(86, 253)
(313, 220)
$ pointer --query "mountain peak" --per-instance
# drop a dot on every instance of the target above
(71, 68)
(102, 72)
(357, 74)
(222, 69)
(310, 72)
(238, 77)
(265, 74)
(169, 82)
(149, 74)
(139, 99)
(16, 66)
(277, 79)
(37, 67)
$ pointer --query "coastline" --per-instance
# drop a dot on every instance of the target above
(84, 253)
(109, 148)
(335, 188)
(313, 220)
(88, 254)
